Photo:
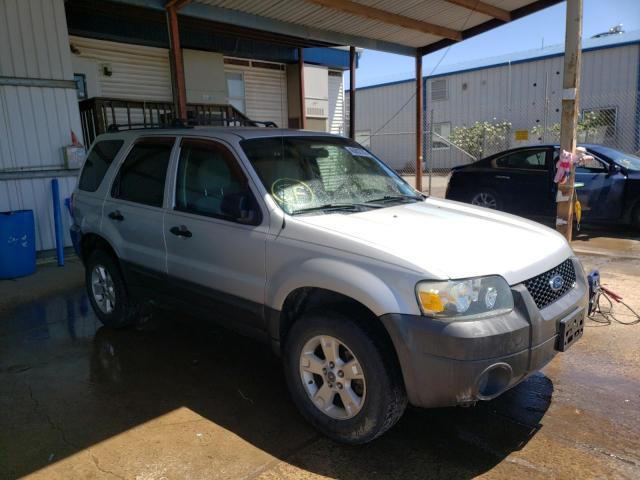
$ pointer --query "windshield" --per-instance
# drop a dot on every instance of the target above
(311, 174)
(623, 159)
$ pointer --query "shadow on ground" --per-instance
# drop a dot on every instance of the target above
(66, 383)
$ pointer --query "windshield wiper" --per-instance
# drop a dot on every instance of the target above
(393, 198)
(335, 206)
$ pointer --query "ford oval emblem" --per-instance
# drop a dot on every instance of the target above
(556, 282)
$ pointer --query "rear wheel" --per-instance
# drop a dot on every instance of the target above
(487, 198)
(342, 378)
(107, 291)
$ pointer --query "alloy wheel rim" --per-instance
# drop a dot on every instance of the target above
(332, 377)
(103, 289)
(484, 199)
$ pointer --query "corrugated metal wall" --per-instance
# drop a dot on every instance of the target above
(392, 137)
(138, 72)
(513, 93)
(35, 121)
(336, 103)
(265, 92)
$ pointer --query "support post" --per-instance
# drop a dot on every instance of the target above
(352, 93)
(177, 64)
(419, 121)
(303, 110)
(568, 125)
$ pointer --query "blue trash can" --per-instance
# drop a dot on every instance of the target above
(17, 244)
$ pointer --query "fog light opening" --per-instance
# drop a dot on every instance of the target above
(494, 380)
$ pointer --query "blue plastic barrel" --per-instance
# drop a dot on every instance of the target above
(17, 244)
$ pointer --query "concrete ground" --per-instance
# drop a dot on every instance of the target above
(178, 399)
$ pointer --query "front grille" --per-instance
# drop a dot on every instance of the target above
(540, 287)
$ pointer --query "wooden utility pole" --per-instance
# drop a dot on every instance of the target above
(177, 63)
(419, 122)
(352, 93)
(569, 122)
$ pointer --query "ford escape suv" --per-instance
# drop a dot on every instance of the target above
(374, 295)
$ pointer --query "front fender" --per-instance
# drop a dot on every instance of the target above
(337, 276)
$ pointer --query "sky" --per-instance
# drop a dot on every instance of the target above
(543, 28)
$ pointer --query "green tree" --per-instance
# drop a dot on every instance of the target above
(482, 138)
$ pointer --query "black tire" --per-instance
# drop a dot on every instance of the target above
(489, 193)
(635, 218)
(385, 399)
(125, 309)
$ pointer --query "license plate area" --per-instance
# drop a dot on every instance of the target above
(570, 329)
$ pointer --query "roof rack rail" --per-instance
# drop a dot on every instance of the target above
(115, 127)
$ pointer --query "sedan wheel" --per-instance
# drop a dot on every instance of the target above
(485, 199)
(332, 377)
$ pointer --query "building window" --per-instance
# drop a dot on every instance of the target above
(81, 85)
(441, 132)
(598, 125)
(235, 90)
(439, 89)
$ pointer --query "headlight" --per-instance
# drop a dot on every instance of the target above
(468, 298)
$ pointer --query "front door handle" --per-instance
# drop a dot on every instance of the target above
(116, 215)
(181, 231)
(503, 177)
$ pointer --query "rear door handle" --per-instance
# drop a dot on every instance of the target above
(116, 215)
(503, 177)
(181, 231)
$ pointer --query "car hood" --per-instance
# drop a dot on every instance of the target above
(446, 239)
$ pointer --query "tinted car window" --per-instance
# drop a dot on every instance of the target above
(97, 164)
(526, 159)
(142, 175)
(207, 174)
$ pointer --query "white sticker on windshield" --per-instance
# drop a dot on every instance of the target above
(358, 152)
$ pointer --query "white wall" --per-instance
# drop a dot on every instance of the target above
(35, 121)
(138, 72)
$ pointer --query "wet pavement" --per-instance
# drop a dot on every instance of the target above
(176, 398)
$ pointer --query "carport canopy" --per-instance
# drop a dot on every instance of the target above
(406, 27)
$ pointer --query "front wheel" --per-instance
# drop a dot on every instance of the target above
(107, 291)
(342, 378)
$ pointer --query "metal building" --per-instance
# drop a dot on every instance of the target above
(523, 89)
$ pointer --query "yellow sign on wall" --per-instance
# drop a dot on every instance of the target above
(522, 135)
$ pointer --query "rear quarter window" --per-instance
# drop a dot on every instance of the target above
(97, 164)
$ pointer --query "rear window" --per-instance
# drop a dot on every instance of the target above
(143, 174)
(97, 164)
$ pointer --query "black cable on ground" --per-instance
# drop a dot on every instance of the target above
(606, 316)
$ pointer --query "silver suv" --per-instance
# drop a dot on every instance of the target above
(373, 294)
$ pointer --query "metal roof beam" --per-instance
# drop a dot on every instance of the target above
(256, 22)
(481, 7)
(373, 13)
(491, 24)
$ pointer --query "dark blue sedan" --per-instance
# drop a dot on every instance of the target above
(520, 181)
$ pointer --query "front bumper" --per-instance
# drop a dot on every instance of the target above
(449, 363)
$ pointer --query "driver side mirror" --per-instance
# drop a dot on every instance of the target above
(613, 169)
(240, 207)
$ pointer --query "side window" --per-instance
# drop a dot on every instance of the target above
(593, 165)
(97, 164)
(142, 176)
(211, 183)
(526, 159)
